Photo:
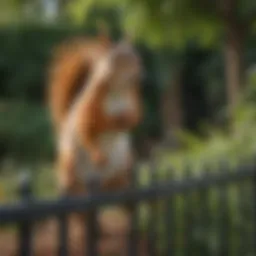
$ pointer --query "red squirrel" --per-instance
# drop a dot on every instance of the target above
(95, 102)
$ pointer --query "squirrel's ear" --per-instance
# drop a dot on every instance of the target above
(128, 38)
(103, 34)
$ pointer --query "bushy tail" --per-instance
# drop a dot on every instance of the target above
(67, 75)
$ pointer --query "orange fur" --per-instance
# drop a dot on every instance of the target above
(71, 65)
(77, 90)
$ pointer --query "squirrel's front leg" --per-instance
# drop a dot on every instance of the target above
(66, 172)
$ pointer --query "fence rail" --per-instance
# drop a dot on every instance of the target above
(30, 210)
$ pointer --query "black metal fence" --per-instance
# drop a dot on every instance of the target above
(210, 214)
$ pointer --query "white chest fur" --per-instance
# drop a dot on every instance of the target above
(117, 147)
(116, 103)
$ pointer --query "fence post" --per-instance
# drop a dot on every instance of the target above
(25, 192)
(92, 231)
(189, 215)
(254, 205)
(152, 232)
(170, 218)
(224, 213)
(133, 235)
(63, 233)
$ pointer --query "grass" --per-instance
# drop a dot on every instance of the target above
(43, 182)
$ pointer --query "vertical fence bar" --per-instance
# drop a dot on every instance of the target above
(63, 236)
(247, 211)
(204, 199)
(92, 229)
(25, 190)
(133, 236)
(170, 237)
(224, 215)
(152, 232)
(253, 239)
(63, 249)
(188, 217)
(243, 230)
(92, 233)
(169, 221)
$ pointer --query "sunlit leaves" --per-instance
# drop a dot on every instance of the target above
(158, 23)
(9, 11)
(78, 10)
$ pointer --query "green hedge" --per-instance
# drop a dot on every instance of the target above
(25, 53)
(24, 58)
(25, 131)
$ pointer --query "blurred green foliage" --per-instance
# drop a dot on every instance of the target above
(220, 144)
(25, 53)
(25, 130)
(170, 23)
(26, 49)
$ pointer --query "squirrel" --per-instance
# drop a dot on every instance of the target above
(95, 102)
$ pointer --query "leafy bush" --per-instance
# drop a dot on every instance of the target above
(25, 53)
(25, 131)
(232, 146)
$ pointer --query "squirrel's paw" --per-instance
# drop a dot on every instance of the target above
(99, 159)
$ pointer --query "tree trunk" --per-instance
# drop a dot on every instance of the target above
(234, 64)
(172, 112)
(235, 37)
